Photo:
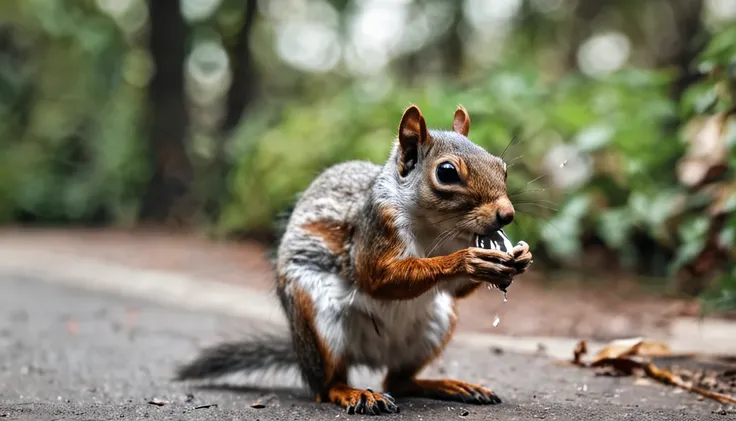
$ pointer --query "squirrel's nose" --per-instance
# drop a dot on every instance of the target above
(505, 215)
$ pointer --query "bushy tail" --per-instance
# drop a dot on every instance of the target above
(257, 354)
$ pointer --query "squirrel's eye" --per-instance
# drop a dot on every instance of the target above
(447, 174)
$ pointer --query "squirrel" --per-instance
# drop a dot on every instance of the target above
(370, 266)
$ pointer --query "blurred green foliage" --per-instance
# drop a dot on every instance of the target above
(70, 115)
(598, 161)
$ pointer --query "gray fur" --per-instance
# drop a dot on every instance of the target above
(269, 351)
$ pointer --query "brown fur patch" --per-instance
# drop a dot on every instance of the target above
(386, 215)
(346, 396)
(334, 234)
(446, 389)
(466, 289)
(486, 177)
(382, 274)
(461, 167)
(281, 281)
(398, 279)
(332, 366)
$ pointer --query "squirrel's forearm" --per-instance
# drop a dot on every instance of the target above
(404, 279)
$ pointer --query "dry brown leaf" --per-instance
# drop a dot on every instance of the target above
(629, 347)
(631, 357)
(580, 349)
(667, 377)
(623, 365)
(652, 349)
(707, 154)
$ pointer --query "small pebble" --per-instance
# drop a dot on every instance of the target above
(157, 402)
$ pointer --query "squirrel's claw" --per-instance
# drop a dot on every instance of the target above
(522, 257)
(372, 403)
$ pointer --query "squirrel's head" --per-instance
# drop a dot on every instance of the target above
(458, 184)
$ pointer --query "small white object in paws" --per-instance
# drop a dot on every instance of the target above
(496, 241)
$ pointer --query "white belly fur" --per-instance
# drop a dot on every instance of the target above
(405, 333)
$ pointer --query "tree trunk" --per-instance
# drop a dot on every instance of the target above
(243, 88)
(242, 92)
(168, 119)
(691, 40)
(452, 45)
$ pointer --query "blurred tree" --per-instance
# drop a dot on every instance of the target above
(444, 53)
(243, 91)
(169, 190)
(244, 87)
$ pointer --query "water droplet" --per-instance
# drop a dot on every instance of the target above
(496, 321)
(504, 297)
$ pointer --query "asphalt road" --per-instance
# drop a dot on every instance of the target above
(74, 354)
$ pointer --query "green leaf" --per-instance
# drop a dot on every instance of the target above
(562, 233)
(614, 226)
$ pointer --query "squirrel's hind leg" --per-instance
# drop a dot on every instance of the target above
(402, 382)
(443, 389)
(325, 375)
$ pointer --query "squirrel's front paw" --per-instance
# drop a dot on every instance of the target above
(522, 257)
(493, 266)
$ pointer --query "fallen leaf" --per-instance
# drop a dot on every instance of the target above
(621, 365)
(627, 347)
(580, 349)
(632, 357)
(707, 154)
(668, 378)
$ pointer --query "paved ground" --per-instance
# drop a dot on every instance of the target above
(70, 353)
(625, 309)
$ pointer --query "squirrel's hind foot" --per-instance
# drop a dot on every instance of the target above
(358, 401)
(446, 390)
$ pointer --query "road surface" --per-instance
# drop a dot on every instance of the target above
(70, 353)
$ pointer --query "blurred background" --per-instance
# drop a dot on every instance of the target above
(209, 116)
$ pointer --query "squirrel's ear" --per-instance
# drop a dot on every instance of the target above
(413, 129)
(461, 121)
(412, 133)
